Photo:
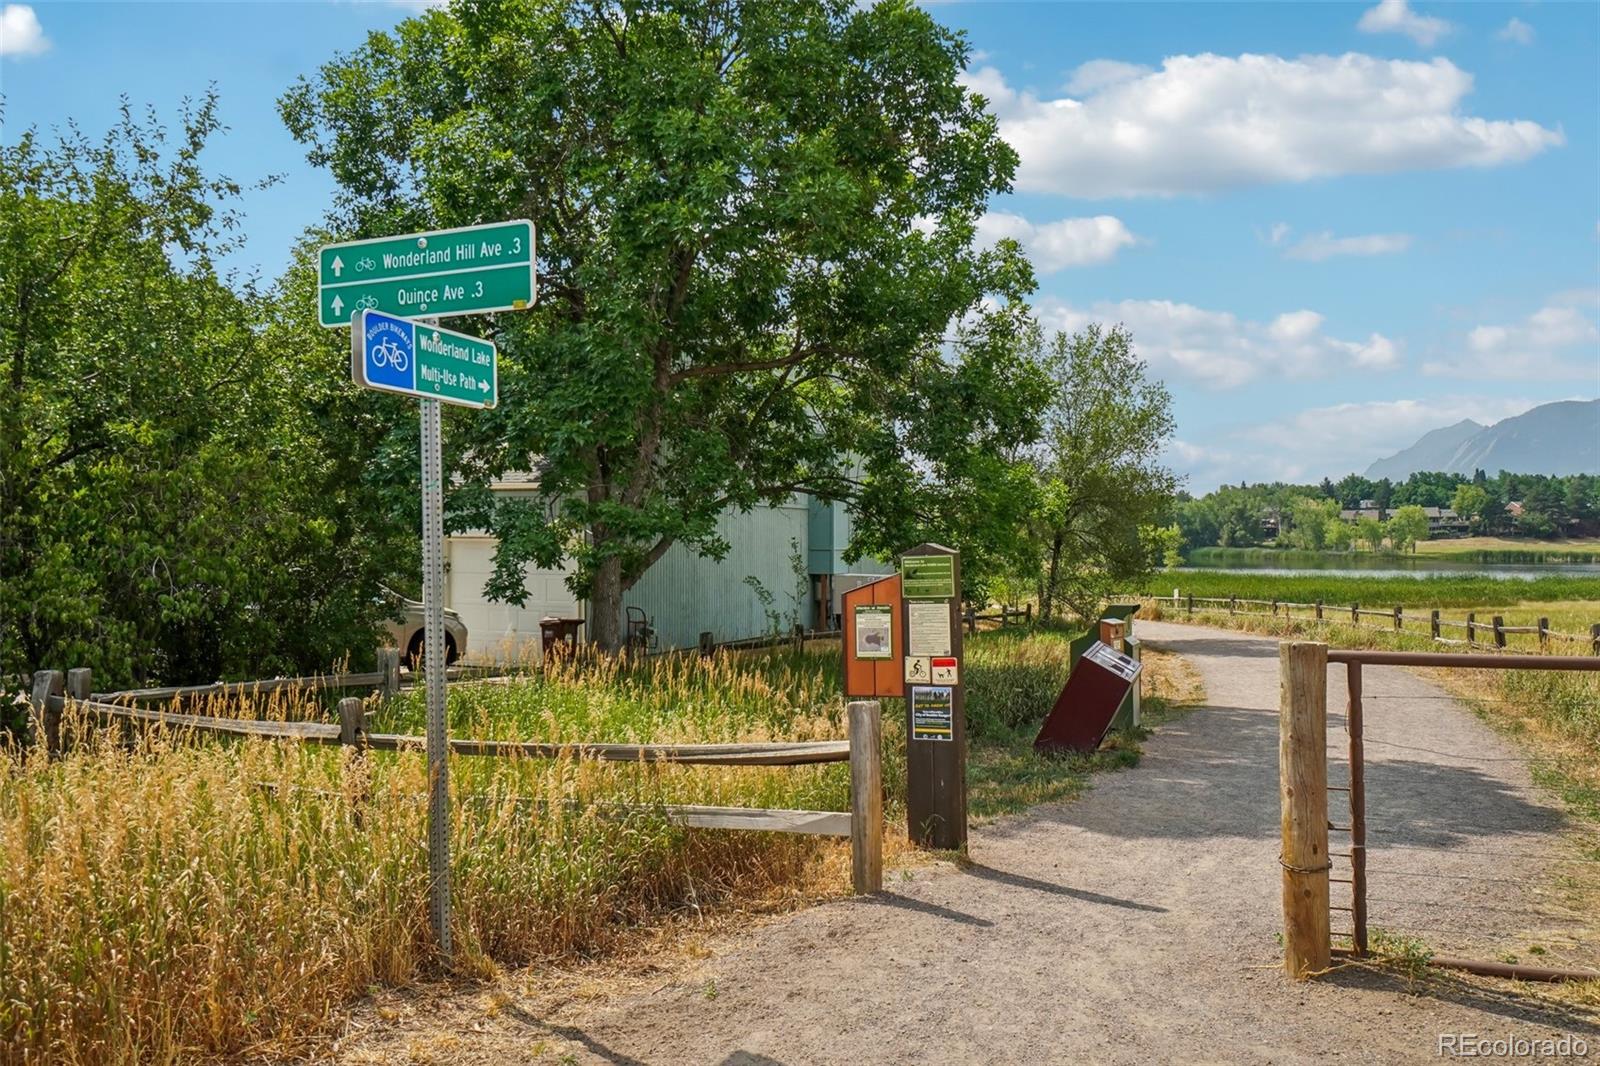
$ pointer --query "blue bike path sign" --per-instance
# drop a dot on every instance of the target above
(416, 359)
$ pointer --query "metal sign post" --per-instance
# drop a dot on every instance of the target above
(936, 717)
(389, 290)
(438, 741)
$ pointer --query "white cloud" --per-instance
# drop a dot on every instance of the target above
(1207, 122)
(1315, 247)
(20, 32)
(1319, 442)
(1101, 73)
(1516, 30)
(1396, 16)
(1053, 246)
(1220, 350)
(1559, 340)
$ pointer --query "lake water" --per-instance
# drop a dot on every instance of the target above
(1403, 566)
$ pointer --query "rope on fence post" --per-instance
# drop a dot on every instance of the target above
(866, 796)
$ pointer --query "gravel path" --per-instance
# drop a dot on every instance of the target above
(1136, 924)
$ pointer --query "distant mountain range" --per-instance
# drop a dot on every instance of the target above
(1553, 438)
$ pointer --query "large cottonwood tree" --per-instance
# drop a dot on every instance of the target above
(755, 233)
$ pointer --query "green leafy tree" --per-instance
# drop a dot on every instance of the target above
(1370, 532)
(1310, 519)
(165, 512)
(1407, 526)
(1470, 501)
(1338, 534)
(1104, 489)
(755, 229)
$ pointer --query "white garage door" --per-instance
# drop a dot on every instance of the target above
(501, 631)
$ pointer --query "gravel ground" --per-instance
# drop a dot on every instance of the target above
(1134, 925)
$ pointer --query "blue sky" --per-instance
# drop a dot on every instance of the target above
(1331, 227)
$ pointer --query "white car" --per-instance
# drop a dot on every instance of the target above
(409, 633)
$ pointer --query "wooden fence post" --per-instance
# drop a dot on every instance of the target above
(866, 796)
(352, 722)
(1397, 618)
(1499, 632)
(799, 639)
(1544, 633)
(353, 734)
(46, 720)
(1472, 627)
(1594, 637)
(1355, 614)
(1433, 623)
(1319, 610)
(1303, 795)
(1232, 603)
(80, 682)
(389, 667)
(1027, 614)
(1191, 603)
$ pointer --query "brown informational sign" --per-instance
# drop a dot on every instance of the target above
(873, 653)
(936, 721)
(1088, 702)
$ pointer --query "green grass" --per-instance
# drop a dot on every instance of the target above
(1435, 590)
(1463, 550)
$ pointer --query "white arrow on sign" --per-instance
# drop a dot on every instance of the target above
(338, 266)
(338, 305)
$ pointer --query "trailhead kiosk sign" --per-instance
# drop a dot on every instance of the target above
(424, 361)
(379, 289)
(936, 720)
(426, 275)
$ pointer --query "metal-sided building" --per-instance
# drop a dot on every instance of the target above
(784, 564)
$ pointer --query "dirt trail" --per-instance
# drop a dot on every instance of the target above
(1134, 925)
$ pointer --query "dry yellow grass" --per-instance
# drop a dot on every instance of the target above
(178, 899)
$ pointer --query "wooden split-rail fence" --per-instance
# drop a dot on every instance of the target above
(54, 694)
(1477, 632)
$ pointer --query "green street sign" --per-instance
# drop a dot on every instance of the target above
(428, 362)
(428, 275)
(927, 577)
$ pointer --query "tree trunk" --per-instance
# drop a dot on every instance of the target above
(1047, 604)
(606, 630)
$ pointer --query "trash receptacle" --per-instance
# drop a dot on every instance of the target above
(559, 636)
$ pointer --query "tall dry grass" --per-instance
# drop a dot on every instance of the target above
(169, 897)
(179, 897)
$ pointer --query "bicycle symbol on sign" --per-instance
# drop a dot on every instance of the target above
(365, 263)
(367, 303)
(388, 353)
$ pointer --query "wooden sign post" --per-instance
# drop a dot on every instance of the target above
(936, 721)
